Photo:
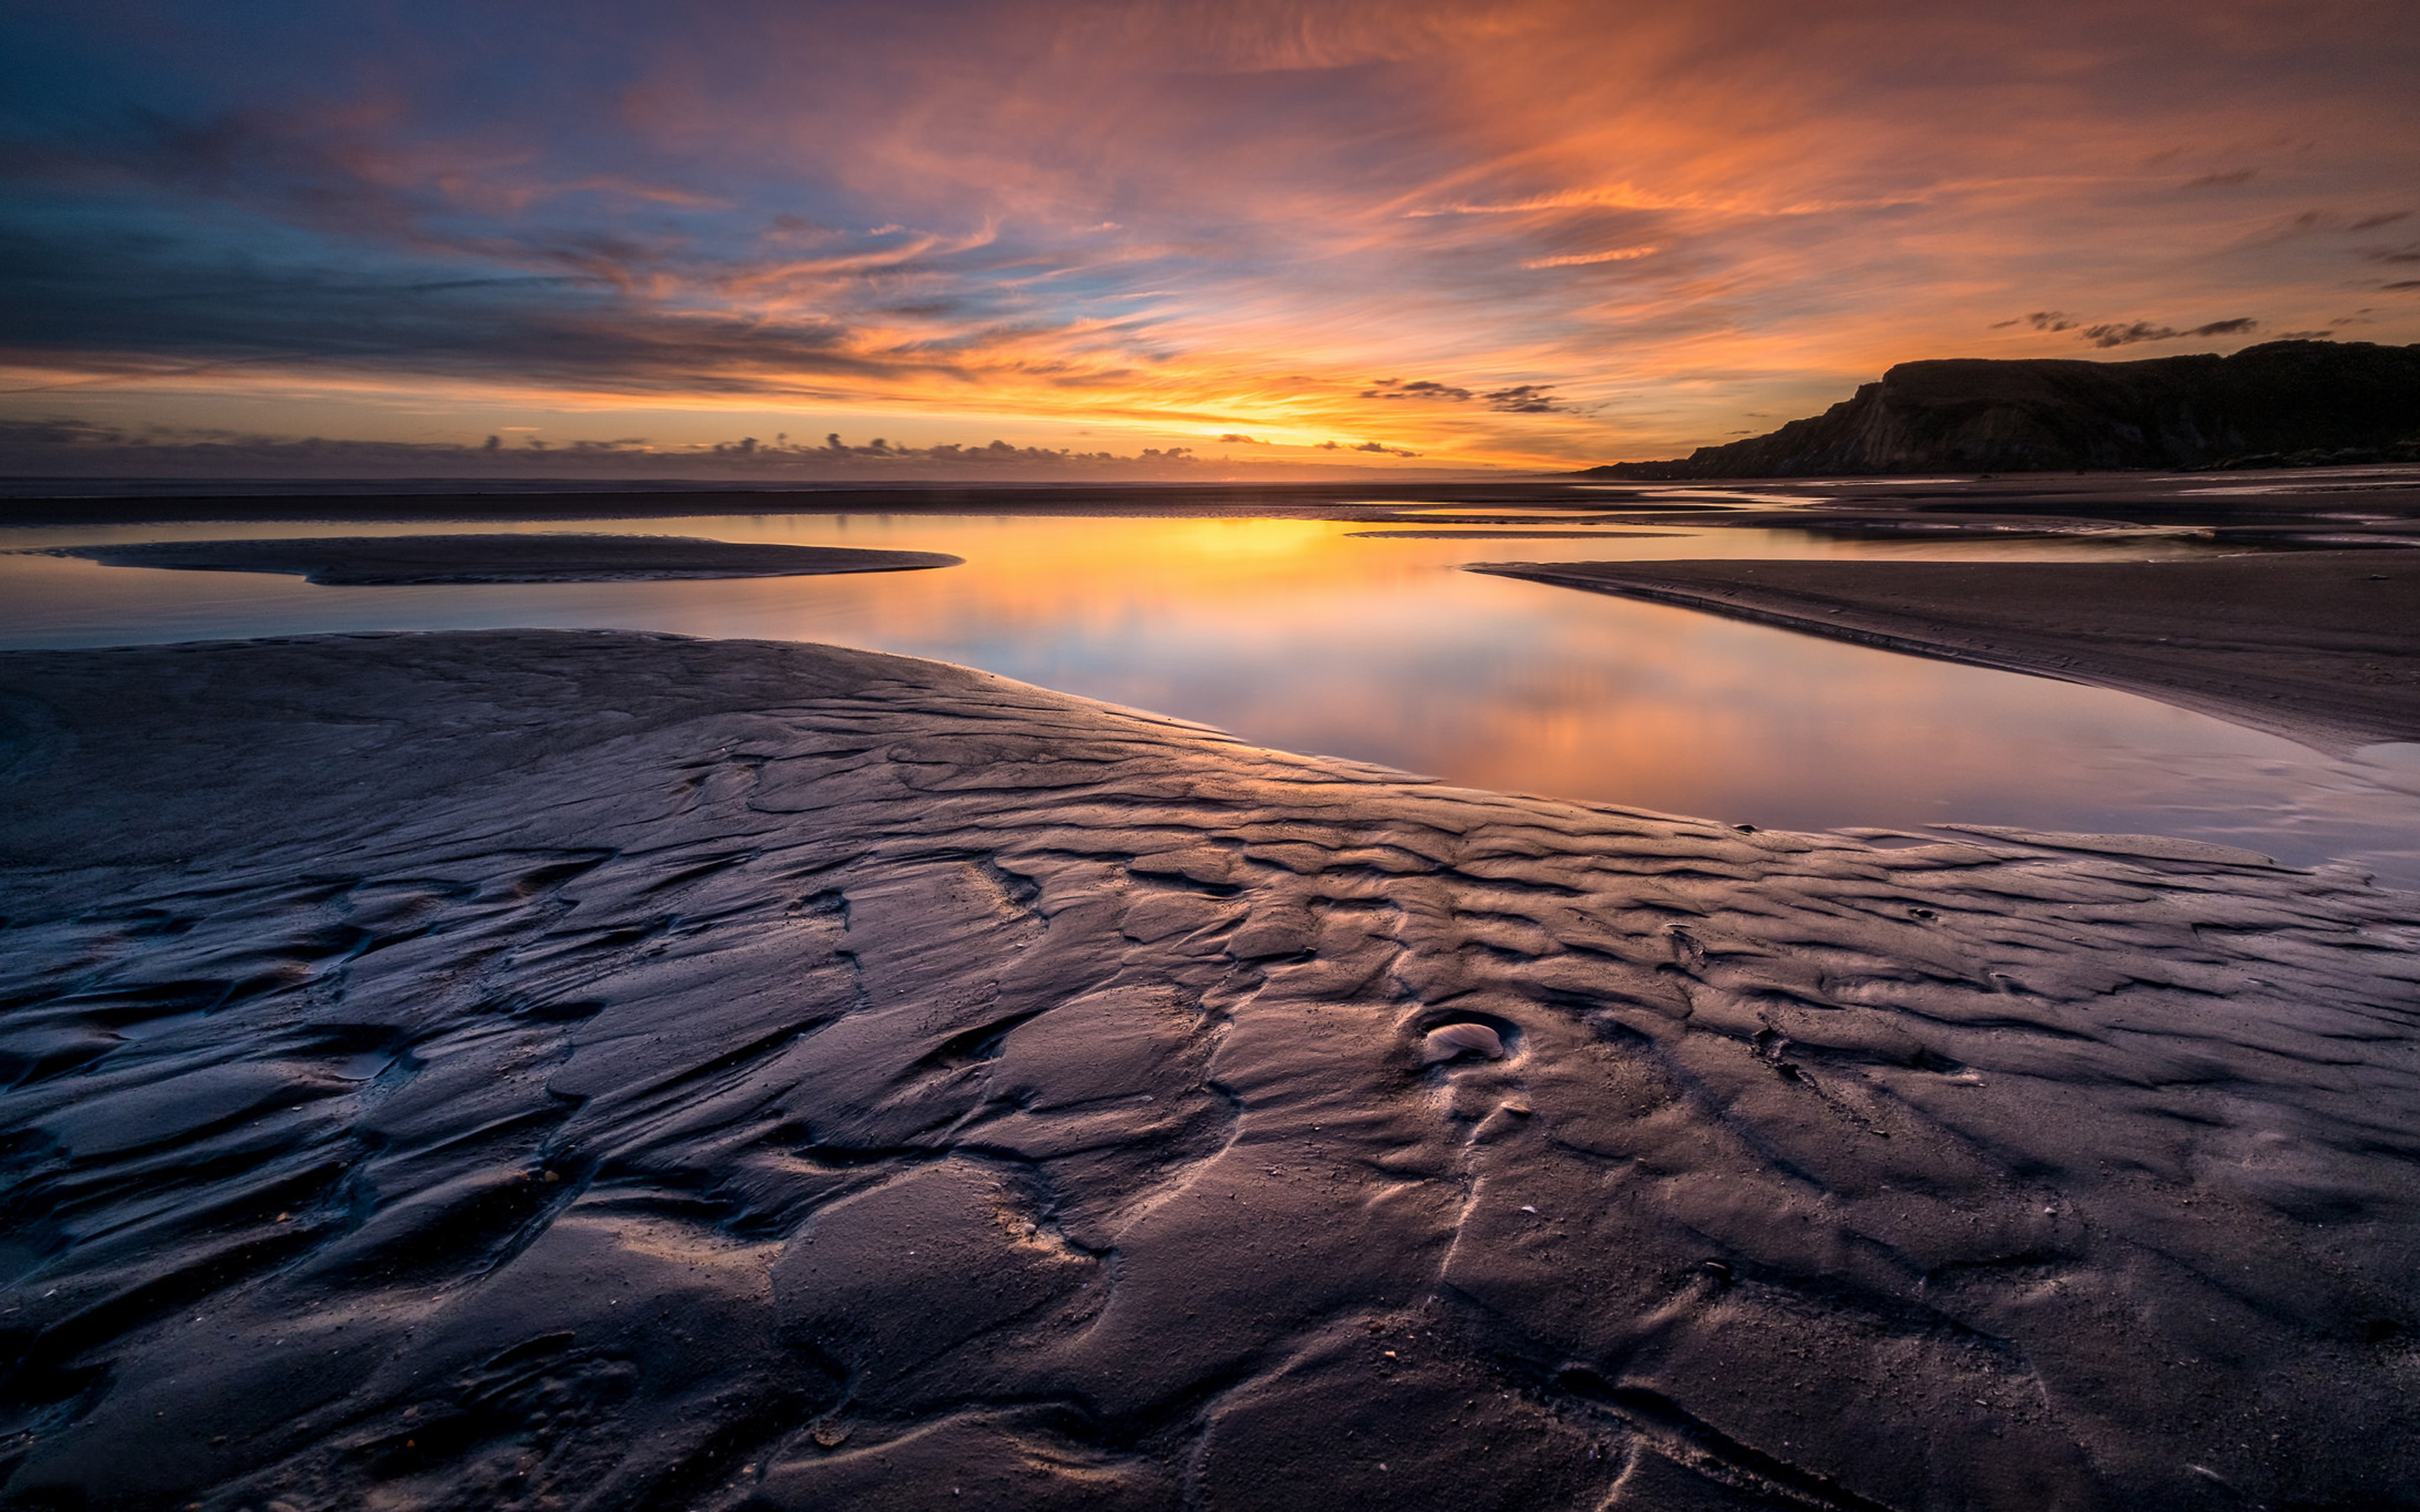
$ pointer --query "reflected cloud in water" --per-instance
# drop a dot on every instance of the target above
(1296, 634)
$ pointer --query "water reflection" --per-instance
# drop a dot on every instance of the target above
(1296, 633)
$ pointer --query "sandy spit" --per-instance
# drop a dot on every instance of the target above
(364, 561)
(526, 1069)
(2322, 647)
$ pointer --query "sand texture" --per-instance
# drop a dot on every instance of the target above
(365, 561)
(549, 1068)
(2320, 646)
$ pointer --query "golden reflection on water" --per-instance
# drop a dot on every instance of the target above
(1296, 633)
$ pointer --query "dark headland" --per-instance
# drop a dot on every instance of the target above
(2280, 403)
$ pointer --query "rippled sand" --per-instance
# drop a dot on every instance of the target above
(544, 1069)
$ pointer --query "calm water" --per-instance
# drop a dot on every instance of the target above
(1296, 634)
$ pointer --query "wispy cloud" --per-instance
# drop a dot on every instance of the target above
(1417, 389)
(1376, 448)
(2126, 334)
(1583, 259)
(2107, 333)
(1596, 230)
(1523, 399)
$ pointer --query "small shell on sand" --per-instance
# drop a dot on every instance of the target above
(1454, 1038)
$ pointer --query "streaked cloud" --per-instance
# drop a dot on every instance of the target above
(1583, 259)
(2128, 333)
(1567, 231)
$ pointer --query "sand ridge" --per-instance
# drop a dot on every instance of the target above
(364, 561)
(2320, 646)
(510, 1069)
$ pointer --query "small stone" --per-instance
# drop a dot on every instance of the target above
(1454, 1040)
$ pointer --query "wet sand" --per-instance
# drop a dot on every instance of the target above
(363, 561)
(520, 1068)
(2322, 647)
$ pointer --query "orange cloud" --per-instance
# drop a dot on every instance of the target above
(1177, 220)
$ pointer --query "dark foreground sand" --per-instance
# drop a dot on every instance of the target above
(2320, 646)
(361, 561)
(528, 1069)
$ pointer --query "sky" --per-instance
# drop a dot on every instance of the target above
(1182, 238)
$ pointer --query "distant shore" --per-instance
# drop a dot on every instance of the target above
(2163, 496)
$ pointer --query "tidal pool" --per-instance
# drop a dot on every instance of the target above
(1298, 634)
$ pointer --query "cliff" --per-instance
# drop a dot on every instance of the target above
(2280, 403)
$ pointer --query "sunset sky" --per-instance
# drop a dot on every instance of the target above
(1520, 235)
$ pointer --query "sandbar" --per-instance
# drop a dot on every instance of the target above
(364, 561)
(2322, 647)
(611, 1070)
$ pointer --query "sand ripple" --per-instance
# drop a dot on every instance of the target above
(535, 1068)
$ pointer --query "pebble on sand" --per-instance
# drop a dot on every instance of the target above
(1459, 1038)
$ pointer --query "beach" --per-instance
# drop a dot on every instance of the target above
(528, 1068)
(2322, 647)
(1278, 757)
(554, 557)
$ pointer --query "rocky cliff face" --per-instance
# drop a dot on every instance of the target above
(2267, 403)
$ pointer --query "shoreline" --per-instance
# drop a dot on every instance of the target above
(648, 1070)
(371, 560)
(1990, 503)
(2320, 647)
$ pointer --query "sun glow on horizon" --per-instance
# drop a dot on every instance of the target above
(1413, 236)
